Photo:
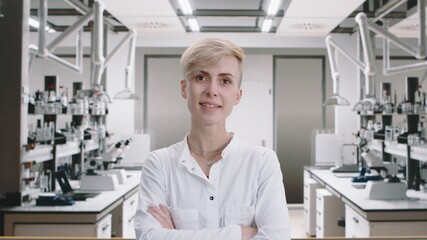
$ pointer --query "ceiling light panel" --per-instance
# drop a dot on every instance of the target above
(315, 17)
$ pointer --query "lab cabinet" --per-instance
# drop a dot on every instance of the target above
(310, 186)
(124, 216)
(129, 210)
(329, 209)
(364, 217)
(101, 229)
(356, 226)
(111, 213)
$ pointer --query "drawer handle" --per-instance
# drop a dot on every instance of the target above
(132, 202)
(105, 227)
(356, 220)
(131, 219)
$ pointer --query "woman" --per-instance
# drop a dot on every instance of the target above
(211, 185)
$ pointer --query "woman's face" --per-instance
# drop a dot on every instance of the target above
(213, 91)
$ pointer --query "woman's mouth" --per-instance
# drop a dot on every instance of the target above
(209, 105)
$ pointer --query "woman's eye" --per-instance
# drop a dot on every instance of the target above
(200, 78)
(226, 81)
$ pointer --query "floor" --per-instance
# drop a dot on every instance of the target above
(296, 215)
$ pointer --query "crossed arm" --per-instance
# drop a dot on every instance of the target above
(163, 216)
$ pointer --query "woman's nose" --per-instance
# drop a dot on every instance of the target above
(212, 88)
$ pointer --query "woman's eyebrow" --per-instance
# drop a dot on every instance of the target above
(226, 74)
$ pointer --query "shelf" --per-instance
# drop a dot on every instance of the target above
(396, 149)
(376, 145)
(91, 145)
(40, 153)
(44, 152)
(419, 153)
(68, 149)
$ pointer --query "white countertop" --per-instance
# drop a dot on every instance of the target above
(342, 187)
(91, 205)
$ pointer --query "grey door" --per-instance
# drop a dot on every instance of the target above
(299, 94)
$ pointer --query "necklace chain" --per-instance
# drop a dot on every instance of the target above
(200, 153)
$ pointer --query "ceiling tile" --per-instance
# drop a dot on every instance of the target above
(315, 17)
(155, 25)
(147, 17)
(306, 27)
(139, 8)
(408, 27)
(322, 8)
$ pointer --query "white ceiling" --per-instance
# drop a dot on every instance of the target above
(147, 17)
(315, 17)
(157, 21)
(408, 27)
(302, 17)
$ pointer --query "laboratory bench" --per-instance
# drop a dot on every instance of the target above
(111, 213)
(362, 217)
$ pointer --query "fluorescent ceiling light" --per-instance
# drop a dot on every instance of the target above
(35, 24)
(193, 25)
(273, 7)
(266, 25)
(185, 7)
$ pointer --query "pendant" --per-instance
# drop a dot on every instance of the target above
(208, 162)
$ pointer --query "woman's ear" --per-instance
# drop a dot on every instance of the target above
(239, 96)
(184, 88)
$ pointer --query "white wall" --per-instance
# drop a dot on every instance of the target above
(121, 118)
(346, 120)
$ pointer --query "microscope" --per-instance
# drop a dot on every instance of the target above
(381, 180)
(100, 175)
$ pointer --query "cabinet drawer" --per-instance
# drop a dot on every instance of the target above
(310, 186)
(101, 229)
(355, 225)
(129, 209)
(328, 209)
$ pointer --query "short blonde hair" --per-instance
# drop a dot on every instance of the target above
(208, 52)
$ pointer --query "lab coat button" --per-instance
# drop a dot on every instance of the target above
(211, 198)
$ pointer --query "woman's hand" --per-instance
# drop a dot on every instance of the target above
(248, 232)
(162, 215)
